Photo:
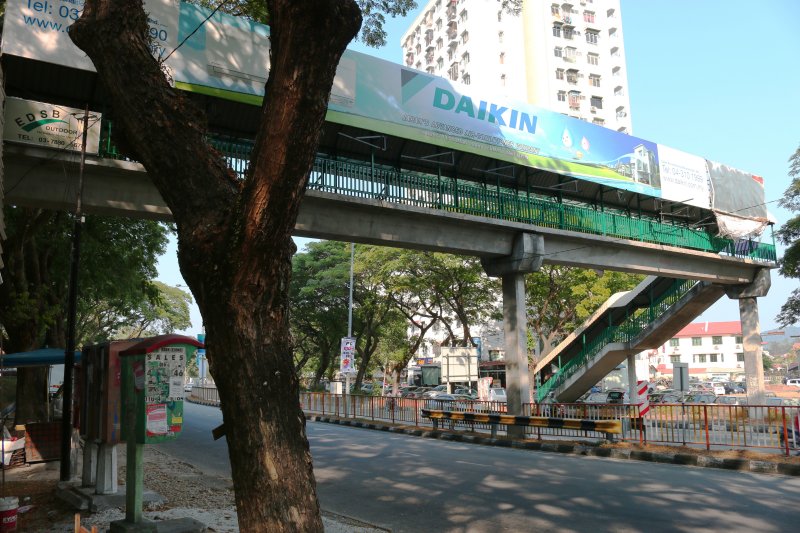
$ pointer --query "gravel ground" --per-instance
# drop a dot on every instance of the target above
(188, 492)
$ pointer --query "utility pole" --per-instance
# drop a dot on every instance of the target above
(72, 303)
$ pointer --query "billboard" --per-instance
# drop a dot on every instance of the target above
(228, 57)
(49, 125)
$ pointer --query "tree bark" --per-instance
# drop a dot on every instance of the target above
(234, 239)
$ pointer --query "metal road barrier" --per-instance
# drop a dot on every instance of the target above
(769, 428)
(603, 426)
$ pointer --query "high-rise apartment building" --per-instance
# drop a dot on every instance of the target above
(567, 57)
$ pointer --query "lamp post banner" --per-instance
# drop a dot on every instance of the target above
(348, 353)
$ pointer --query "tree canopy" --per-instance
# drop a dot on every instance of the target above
(789, 234)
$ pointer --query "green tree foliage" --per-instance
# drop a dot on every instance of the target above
(560, 298)
(789, 234)
(167, 312)
(118, 260)
(319, 303)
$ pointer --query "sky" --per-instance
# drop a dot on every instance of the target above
(714, 78)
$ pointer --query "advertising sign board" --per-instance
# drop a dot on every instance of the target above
(49, 125)
(228, 57)
(348, 351)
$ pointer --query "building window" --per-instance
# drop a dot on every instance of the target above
(464, 16)
(569, 32)
(555, 10)
(500, 36)
(464, 37)
(599, 121)
(738, 339)
(556, 30)
(439, 43)
(615, 53)
(440, 64)
(700, 358)
(502, 80)
(593, 59)
(696, 341)
(597, 102)
(611, 14)
(674, 358)
(502, 58)
(712, 358)
(465, 59)
(559, 52)
(559, 73)
(594, 79)
(716, 339)
(740, 358)
(562, 96)
(588, 16)
(572, 76)
(466, 79)
(612, 32)
(673, 342)
(591, 36)
(574, 99)
(619, 91)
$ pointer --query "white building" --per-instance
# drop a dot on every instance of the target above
(712, 350)
(567, 57)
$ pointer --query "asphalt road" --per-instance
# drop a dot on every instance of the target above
(415, 484)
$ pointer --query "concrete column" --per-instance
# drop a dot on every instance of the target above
(515, 327)
(89, 463)
(751, 343)
(751, 332)
(107, 469)
(526, 256)
(633, 388)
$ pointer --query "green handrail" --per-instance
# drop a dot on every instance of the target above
(358, 179)
(628, 329)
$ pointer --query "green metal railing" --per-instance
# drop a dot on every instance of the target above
(633, 325)
(365, 180)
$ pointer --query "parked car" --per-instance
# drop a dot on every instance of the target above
(497, 394)
(794, 382)
(701, 398)
(188, 387)
(732, 400)
(367, 387)
(733, 388)
(718, 388)
(596, 397)
(617, 396)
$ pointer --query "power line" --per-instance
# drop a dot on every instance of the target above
(161, 61)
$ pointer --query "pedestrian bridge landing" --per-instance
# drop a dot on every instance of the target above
(628, 323)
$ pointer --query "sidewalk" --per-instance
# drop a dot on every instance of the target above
(187, 493)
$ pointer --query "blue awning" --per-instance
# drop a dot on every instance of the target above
(40, 357)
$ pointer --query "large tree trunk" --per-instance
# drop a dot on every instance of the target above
(234, 239)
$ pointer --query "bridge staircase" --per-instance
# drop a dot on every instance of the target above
(630, 322)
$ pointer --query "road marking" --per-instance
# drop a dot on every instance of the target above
(474, 464)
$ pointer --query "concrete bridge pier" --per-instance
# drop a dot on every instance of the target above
(751, 332)
(526, 256)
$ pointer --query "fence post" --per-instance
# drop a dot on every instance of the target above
(705, 419)
(785, 433)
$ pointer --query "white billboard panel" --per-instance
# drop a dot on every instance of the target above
(49, 125)
(684, 177)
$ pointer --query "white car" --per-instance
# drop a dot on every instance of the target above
(794, 382)
(497, 394)
(718, 389)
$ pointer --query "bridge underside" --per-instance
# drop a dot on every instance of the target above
(34, 177)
